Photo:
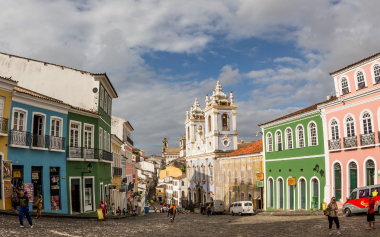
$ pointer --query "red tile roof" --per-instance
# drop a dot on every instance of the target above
(301, 111)
(254, 147)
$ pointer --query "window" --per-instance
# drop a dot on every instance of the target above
(350, 126)
(74, 134)
(209, 123)
(88, 135)
(289, 139)
(105, 140)
(236, 177)
(312, 134)
(249, 176)
(360, 80)
(105, 102)
(363, 193)
(344, 83)
(55, 127)
(278, 141)
(188, 133)
(242, 197)
(376, 72)
(242, 177)
(367, 123)
(19, 121)
(300, 136)
(269, 142)
(229, 177)
(353, 196)
(334, 130)
(225, 122)
(101, 96)
(370, 172)
(100, 138)
(109, 105)
(203, 174)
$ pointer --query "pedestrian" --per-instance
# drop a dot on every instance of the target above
(118, 211)
(14, 200)
(113, 208)
(209, 210)
(371, 212)
(24, 208)
(124, 212)
(38, 204)
(103, 207)
(171, 212)
(178, 208)
(333, 215)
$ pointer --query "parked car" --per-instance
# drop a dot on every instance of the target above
(241, 208)
(357, 202)
(217, 207)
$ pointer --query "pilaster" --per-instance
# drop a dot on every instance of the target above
(327, 195)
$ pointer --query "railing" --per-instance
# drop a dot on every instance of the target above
(4, 125)
(350, 142)
(117, 171)
(129, 140)
(41, 141)
(378, 136)
(107, 155)
(334, 144)
(20, 138)
(89, 153)
(75, 152)
(57, 143)
(367, 139)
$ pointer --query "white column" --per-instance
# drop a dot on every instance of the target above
(264, 204)
(215, 128)
(327, 159)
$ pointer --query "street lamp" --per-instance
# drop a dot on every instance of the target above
(89, 168)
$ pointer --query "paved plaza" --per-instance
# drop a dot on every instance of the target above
(157, 224)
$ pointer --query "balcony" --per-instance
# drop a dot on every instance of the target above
(3, 126)
(117, 171)
(106, 155)
(129, 140)
(57, 143)
(350, 142)
(334, 144)
(367, 139)
(20, 138)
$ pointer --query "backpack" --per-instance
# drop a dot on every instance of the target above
(171, 211)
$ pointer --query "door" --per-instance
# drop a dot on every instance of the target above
(291, 197)
(75, 196)
(2, 101)
(87, 199)
(338, 182)
(281, 194)
(315, 192)
(303, 194)
(271, 193)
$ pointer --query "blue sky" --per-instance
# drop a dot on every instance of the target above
(161, 55)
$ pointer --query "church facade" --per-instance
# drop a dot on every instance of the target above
(210, 133)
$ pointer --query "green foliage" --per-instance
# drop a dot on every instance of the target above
(183, 168)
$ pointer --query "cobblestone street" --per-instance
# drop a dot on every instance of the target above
(188, 225)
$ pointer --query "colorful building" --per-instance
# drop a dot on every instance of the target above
(294, 161)
(118, 194)
(6, 89)
(351, 125)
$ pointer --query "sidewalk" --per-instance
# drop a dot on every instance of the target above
(54, 215)
(294, 213)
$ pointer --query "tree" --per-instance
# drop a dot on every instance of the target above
(183, 168)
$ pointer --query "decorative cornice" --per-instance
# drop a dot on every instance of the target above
(311, 112)
(360, 63)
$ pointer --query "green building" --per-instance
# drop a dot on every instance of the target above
(89, 157)
(294, 161)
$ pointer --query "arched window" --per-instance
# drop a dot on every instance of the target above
(209, 123)
(353, 176)
(344, 84)
(334, 130)
(289, 139)
(225, 122)
(242, 176)
(360, 80)
(370, 172)
(313, 138)
(182, 183)
(278, 141)
(269, 142)
(203, 174)
(350, 126)
(301, 137)
(376, 73)
(188, 133)
(249, 176)
(367, 123)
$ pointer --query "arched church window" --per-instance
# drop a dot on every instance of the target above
(225, 122)
(209, 123)
(203, 174)
(210, 172)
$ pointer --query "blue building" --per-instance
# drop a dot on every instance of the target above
(37, 142)
(210, 133)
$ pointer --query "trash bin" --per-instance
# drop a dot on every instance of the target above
(146, 209)
(99, 214)
(323, 206)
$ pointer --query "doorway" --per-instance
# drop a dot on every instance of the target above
(75, 196)
(88, 195)
(37, 184)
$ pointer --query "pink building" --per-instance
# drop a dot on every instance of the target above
(350, 126)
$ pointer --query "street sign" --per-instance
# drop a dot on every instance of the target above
(260, 184)
(259, 176)
(292, 181)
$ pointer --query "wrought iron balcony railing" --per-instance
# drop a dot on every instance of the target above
(57, 143)
(4, 125)
(334, 144)
(367, 139)
(129, 140)
(41, 141)
(117, 171)
(20, 138)
(350, 142)
(74, 152)
(107, 155)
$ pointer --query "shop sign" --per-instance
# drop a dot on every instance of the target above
(292, 181)
(259, 176)
(7, 189)
(29, 189)
(16, 174)
(7, 169)
(35, 175)
(260, 184)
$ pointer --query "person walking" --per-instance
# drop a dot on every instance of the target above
(209, 210)
(24, 209)
(171, 212)
(39, 206)
(103, 207)
(333, 216)
(371, 212)
(178, 209)
(14, 200)
(113, 209)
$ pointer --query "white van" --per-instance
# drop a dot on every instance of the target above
(243, 207)
(217, 207)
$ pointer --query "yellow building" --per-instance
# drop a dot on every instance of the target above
(6, 88)
(170, 171)
(160, 193)
(116, 194)
(239, 171)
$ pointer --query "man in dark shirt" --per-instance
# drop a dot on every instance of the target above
(24, 208)
(371, 212)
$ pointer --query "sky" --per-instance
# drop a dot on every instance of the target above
(160, 55)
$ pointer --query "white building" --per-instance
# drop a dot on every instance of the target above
(179, 189)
